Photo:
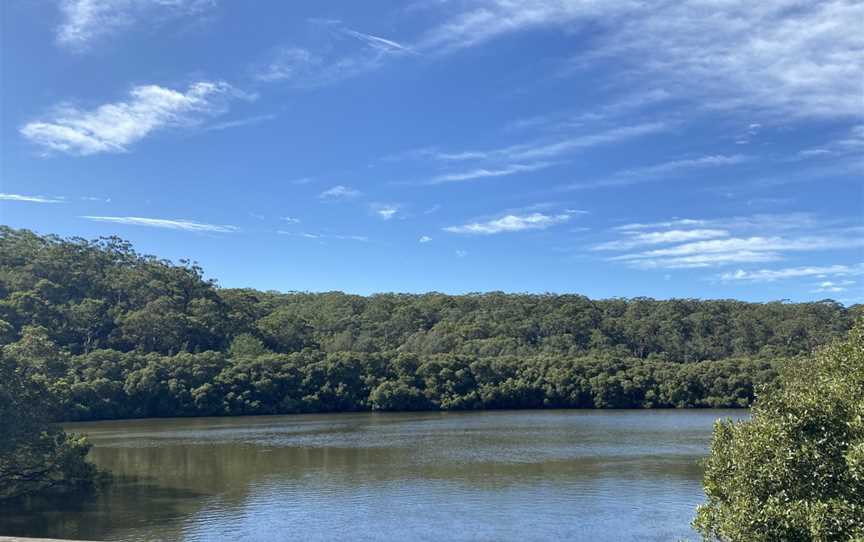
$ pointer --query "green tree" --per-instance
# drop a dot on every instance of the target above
(795, 470)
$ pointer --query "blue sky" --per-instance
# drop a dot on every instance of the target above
(699, 148)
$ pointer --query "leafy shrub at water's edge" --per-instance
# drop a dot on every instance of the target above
(795, 470)
(36, 455)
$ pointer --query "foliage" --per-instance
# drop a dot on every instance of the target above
(35, 455)
(795, 470)
(112, 334)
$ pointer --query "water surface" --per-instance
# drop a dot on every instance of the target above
(496, 475)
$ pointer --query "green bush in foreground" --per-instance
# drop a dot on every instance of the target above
(795, 470)
(35, 455)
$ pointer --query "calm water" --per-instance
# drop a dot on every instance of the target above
(503, 475)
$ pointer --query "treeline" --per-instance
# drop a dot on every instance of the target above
(117, 334)
(248, 380)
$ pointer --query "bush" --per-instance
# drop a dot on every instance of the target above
(35, 455)
(795, 470)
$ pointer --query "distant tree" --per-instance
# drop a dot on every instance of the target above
(795, 470)
(246, 345)
(285, 331)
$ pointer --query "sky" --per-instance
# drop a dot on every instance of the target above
(623, 148)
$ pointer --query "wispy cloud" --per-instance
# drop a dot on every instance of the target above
(84, 21)
(288, 63)
(29, 199)
(638, 100)
(770, 275)
(511, 223)
(348, 53)
(733, 250)
(678, 222)
(828, 286)
(665, 170)
(291, 220)
(792, 58)
(424, 239)
(171, 224)
(850, 143)
(339, 192)
(377, 42)
(246, 121)
(113, 127)
(757, 222)
(324, 236)
(636, 238)
(539, 150)
(482, 173)
(695, 243)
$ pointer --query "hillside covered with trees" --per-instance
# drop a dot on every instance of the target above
(116, 334)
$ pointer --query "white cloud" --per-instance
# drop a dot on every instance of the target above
(29, 199)
(83, 21)
(725, 241)
(339, 192)
(770, 275)
(171, 224)
(386, 213)
(655, 238)
(751, 244)
(832, 287)
(461, 253)
(481, 173)
(424, 239)
(703, 260)
(794, 58)
(291, 219)
(718, 252)
(113, 127)
(510, 223)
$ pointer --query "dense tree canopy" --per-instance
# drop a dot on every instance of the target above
(795, 470)
(116, 334)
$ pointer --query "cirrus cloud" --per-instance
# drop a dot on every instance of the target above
(170, 224)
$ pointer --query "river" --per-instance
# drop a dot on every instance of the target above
(592, 475)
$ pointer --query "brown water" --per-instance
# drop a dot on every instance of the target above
(498, 475)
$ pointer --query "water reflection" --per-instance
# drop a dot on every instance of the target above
(528, 475)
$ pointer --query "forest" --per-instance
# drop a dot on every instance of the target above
(111, 333)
